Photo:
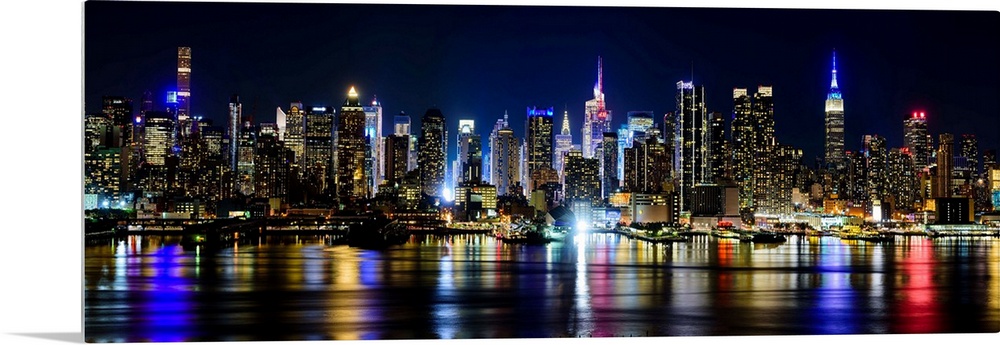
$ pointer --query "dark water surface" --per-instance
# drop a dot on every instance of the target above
(472, 286)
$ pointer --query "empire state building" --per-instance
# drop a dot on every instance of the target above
(834, 122)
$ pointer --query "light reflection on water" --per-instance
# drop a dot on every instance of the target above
(472, 286)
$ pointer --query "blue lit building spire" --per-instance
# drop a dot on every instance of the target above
(834, 89)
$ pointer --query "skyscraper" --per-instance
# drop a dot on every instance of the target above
(945, 164)
(233, 130)
(432, 153)
(271, 160)
(472, 167)
(401, 126)
(352, 179)
(245, 164)
(318, 147)
(834, 121)
(488, 164)
(583, 184)
(374, 159)
(159, 126)
(505, 149)
(564, 142)
(466, 130)
(609, 164)
(295, 126)
(538, 139)
(118, 110)
(718, 147)
(970, 150)
(878, 166)
(744, 149)
(397, 150)
(765, 179)
(184, 89)
(902, 179)
(691, 151)
(597, 118)
(646, 166)
(281, 121)
(915, 139)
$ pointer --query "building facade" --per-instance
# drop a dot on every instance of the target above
(834, 148)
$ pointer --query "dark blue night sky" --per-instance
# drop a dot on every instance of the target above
(478, 61)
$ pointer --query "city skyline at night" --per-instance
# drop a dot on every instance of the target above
(535, 56)
(272, 171)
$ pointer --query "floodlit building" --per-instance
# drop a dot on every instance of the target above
(352, 179)
(432, 153)
(597, 117)
(374, 157)
(834, 147)
(538, 140)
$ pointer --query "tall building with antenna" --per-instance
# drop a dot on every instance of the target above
(597, 118)
(834, 149)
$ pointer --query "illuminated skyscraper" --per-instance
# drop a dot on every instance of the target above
(245, 163)
(609, 164)
(271, 164)
(352, 179)
(766, 177)
(538, 139)
(318, 148)
(564, 142)
(902, 179)
(718, 147)
(233, 130)
(184, 89)
(583, 183)
(466, 130)
(401, 126)
(878, 165)
(915, 139)
(118, 110)
(691, 152)
(374, 158)
(834, 121)
(970, 150)
(159, 127)
(637, 125)
(472, 167)
(945, 165)
(597, 118)
(432, 153)
(505, 160)
(638, 122)
(646, 166)
(295, 126)
(281, 121)
(744, 151)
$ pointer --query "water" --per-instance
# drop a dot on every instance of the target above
(599, 285)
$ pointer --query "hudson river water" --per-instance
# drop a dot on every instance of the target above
(472, 286)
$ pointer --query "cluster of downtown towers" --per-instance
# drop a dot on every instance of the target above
(318, 157)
